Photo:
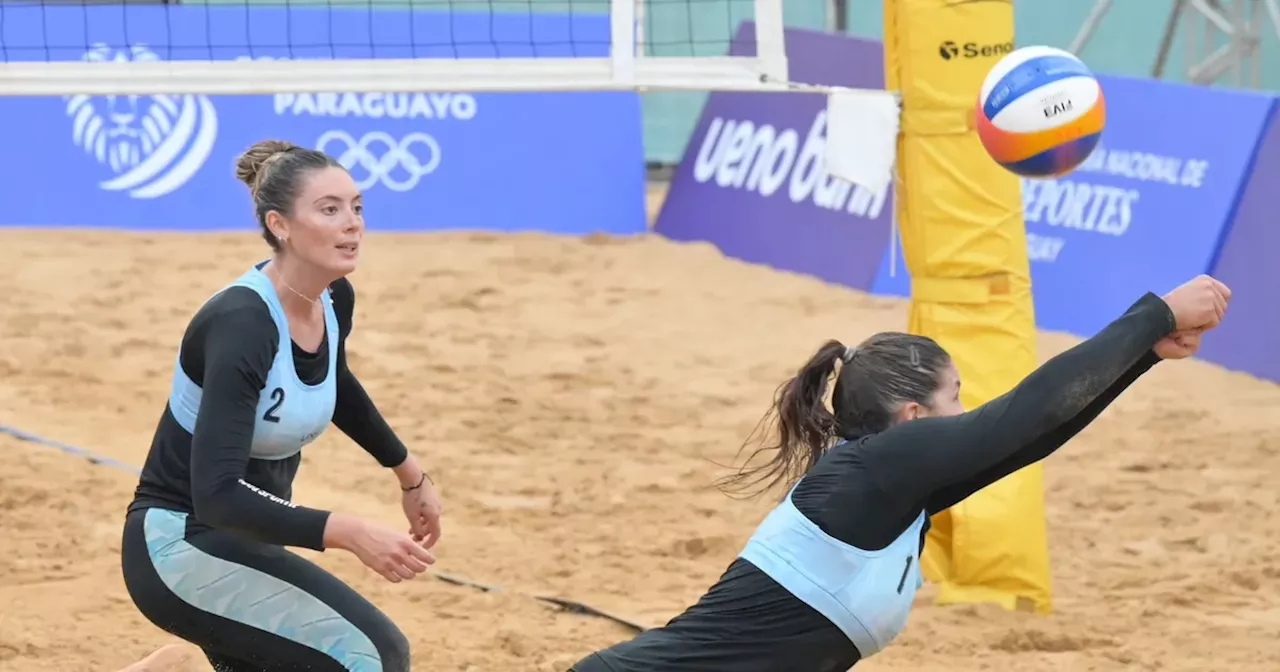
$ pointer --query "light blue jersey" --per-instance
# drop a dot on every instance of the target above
(867, 594)
(291, 414)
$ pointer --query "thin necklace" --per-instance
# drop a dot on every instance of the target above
(286, 286)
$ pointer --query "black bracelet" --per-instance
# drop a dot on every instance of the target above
(419, 485)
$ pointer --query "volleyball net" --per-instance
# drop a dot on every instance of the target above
(63, 48)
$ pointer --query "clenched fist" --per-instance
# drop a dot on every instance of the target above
(1198, 305)
(1178, 345)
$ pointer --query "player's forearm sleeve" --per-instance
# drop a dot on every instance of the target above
(920, 458)
(237, 359)
(358, 417)
(356, 414)
(1045, 445)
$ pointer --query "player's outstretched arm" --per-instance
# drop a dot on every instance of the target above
(939, 461)
(1041, 447)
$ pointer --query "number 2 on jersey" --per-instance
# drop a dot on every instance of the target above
(277, 396)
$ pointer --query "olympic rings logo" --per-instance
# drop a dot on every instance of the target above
(379, 154)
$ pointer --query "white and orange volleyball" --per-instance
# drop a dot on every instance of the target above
(1040, 112)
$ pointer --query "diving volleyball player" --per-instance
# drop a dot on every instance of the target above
(261, 372)
(829, 576)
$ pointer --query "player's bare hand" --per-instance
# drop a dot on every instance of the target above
(1198, 304)
(394, 555)
(1179, 344)
(423, 510)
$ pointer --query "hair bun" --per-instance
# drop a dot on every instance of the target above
(254, 160)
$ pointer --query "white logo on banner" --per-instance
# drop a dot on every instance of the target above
(458, 106)
(383, 157)
(153, 144)
(740, 154)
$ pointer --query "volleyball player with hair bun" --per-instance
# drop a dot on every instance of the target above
(261, 372)
(829, 576)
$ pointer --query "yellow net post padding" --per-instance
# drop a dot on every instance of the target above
(964, 242)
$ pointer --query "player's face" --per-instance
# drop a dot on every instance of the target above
(329, 221)
(945, 401)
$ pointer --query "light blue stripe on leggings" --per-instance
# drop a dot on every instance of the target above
(251, 597)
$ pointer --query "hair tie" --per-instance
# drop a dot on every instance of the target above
(849, 354)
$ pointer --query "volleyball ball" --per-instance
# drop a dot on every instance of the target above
(1040, 112)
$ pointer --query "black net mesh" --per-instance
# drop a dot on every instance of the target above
(64, 30)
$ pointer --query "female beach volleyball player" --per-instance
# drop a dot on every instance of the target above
(261, 372)
(829, 576)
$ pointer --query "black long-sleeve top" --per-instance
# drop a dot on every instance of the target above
(867, 491)
(228, 350)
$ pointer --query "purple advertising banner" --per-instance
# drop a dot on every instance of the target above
(1247, 340)
(753, 180)
(1153, 207)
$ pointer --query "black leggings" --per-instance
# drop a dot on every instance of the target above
(252, 607)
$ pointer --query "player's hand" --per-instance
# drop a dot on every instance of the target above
(394, 555)
(422, 508)
(1198, 304)
(1179, 344)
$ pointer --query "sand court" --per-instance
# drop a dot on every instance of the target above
(571, 397)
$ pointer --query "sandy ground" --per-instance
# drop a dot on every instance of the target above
(571, 397)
